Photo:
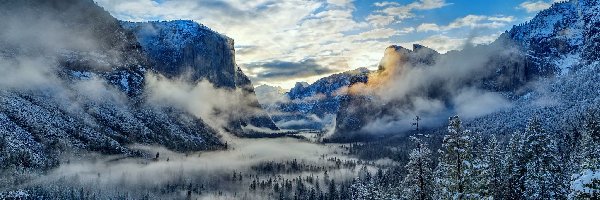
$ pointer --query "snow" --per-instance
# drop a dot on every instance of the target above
(583, 182)
(124, 83)
(82, 75)
(171, 35)
(567, 62)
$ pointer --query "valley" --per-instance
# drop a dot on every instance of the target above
(133, 100)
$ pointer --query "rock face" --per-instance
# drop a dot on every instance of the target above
(556, 42)
(185, 48)
(75, 80)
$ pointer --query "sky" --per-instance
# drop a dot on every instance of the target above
(281, 42)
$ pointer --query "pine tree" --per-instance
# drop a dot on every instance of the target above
(418, 183)
(489, 176)
(543, 178)
(586, 184)
(455, 170)
(332, 193)
(590, 139)
(514, 170)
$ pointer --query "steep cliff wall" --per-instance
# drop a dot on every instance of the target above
(186, 49)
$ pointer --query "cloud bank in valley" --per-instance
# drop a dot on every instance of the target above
(432, 86)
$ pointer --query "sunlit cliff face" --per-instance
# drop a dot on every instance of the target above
(392, 65)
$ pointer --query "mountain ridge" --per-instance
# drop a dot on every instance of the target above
(80, 87)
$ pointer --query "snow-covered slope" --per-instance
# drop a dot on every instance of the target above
(535, 65)
(73, 81)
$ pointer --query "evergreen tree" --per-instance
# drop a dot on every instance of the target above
(543, 177)
(533, 165)
(489, 176)
(418, 183)
(455, 169)
(586, 184)
(590, 139)
(332, 194)
(515, 169)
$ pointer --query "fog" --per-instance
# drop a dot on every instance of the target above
(116, 174)
(409, 86)
(216, 106)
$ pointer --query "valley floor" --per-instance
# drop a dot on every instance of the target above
(271, 168)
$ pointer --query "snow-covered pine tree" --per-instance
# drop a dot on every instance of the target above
(514, 169)
(488, 170)
(590, 139)
(418, 183)
(454, 173)
(542, 179)
(586, 184)
(367, 186)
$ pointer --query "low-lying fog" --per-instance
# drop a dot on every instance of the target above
(174, 173)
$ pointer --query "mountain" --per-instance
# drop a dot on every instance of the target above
(184, 48)
(310, 106)
(514, 74)
(270, 97)
(74, 81)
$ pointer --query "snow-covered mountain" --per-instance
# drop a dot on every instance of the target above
(73, 80)
(309, 106)
(530, 70)
(184, 48)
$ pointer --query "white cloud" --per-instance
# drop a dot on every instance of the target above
(381, 33)
(502, 18)
(535, 6)
(443, 43)
(400, 12)
(428, 27)
(386, 3)
(380, 20)
(406, 11)
(470, 21)
(429, 4)
(343, 3)
(407, 30)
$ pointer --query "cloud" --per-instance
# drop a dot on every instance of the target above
(112, 176)
(278, 69)
(425, 27)
(534, 6)
(27, 73)
(472, 102)
(380, 20)
(386, 3)
(469, 21)
(432, 89)
(380, 33)
(216, 106)
(502, 19)
(343, 3)
(443, 43)
(406, 11)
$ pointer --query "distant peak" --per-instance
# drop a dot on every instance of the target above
(396, 48)
(419, 47)
(301, 85)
